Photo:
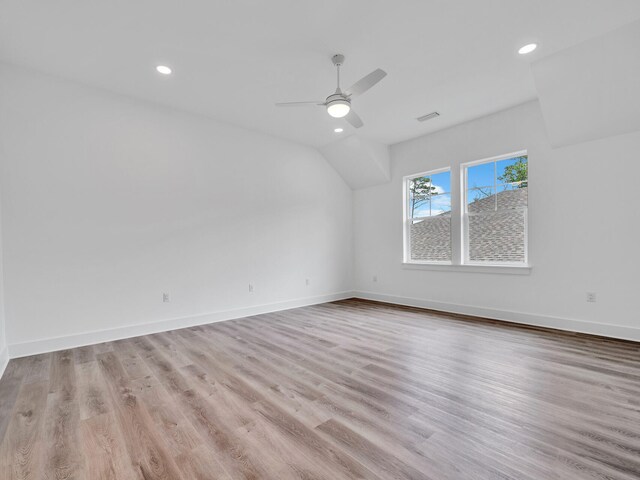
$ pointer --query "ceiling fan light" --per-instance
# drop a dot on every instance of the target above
(338, 108)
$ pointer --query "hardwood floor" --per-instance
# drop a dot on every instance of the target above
(346, 390)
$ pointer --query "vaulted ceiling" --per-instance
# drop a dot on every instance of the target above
(233, 59)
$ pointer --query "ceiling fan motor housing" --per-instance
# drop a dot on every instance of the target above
(337, 97)
(338, 59)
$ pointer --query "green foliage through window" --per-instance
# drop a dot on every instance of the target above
(516, 173)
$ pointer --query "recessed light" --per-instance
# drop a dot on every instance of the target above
(163, 69)
(528, 48)
(338, 130)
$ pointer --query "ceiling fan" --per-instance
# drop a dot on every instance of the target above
(338, 104)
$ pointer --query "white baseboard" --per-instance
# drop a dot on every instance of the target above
(46, 345)
(559, 323)
(4, 360)
(89, 338)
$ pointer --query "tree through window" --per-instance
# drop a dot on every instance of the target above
(428, 220)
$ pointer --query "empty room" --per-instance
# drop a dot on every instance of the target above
(341, 239)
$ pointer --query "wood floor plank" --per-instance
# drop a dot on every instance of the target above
(345, 390)
(214, 424)
(133, 364)
(21, 450)
(63, 458)
(246, 439)
(10, 384)
(39, 368)
(93, 398)
(148, 454)
(377, 458)
(84, 354)
(178, 434)
(200, 464)
(294, 396)
(105, 450)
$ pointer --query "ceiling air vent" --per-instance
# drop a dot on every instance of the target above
(428, 116)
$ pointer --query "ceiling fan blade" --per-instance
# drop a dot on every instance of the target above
(353, 118)
(299, 104)
(365, 83)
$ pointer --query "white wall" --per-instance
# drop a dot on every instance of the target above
(4, 352)
(107, 202)
(584, 225)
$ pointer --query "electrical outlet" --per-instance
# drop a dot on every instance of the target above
(166, 298)
(591, 297)
(250, 288)
(307, 282)
(375, 278)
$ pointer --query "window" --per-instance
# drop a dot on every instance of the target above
(485, 226)
(495, 210)
(428, 217)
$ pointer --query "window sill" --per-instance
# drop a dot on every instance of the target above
(447, 267)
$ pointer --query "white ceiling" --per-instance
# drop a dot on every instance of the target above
(234, 58)
(590, 91)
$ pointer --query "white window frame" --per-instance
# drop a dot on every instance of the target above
(464, 215)
(458, 233)
(407, 221)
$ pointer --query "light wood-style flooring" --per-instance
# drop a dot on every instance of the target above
(345, 390)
